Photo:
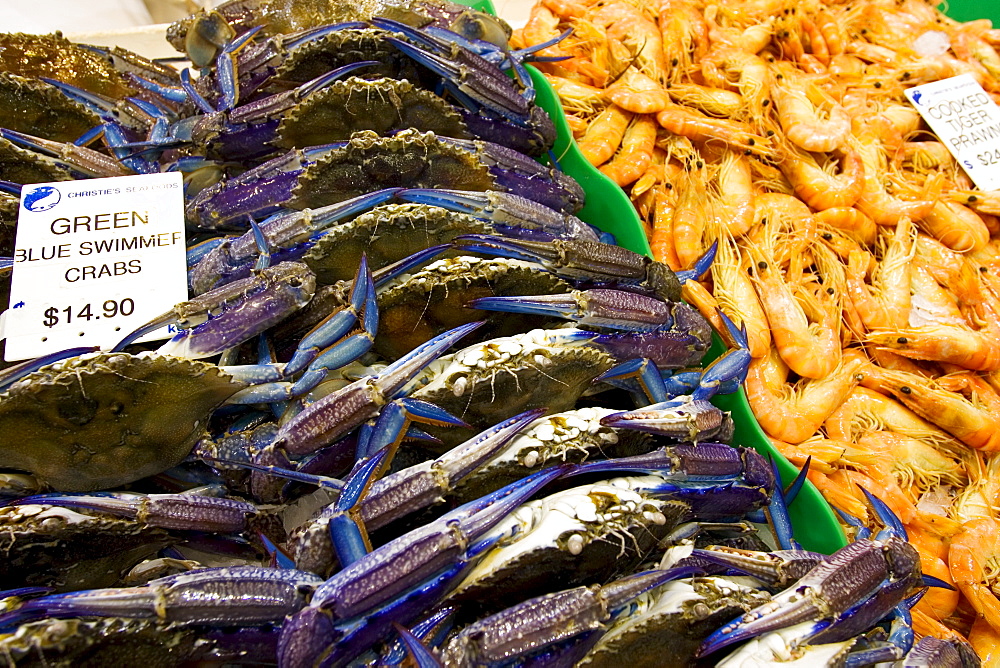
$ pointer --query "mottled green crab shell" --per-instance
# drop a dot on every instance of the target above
(103, 420)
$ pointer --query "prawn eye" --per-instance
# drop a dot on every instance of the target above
(762, 265)
(901, 339)
(829, 291)
(827, 236)
(905, 390)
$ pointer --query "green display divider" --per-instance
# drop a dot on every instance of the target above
(970, 10)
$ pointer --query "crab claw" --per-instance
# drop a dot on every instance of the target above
(728, 372)
(781, 567)
(683, 418)
(828, 591)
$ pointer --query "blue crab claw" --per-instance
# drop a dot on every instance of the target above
(701, 265)
(893, 525)
(288, 233)
(590, 260)
(509, 213)
(793, 489)
(187, 84)
(777, 513)
(617, 309)
(394, 421)
(225, 67)
(279, 558)
(422, 656)
(702, 462)
(728, 372)
(315, 638)
(333, 416)
(683, 418)
(827, 592)
(330, 344)
(642, 379)
(431, 631)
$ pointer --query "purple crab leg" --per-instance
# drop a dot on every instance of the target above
(78, 159)
(519, 631)
(259, 191)
(508, 212)
(238, 595)
(339, 412)
(934, 652)
(598, 308)
(473, 80)
(170, 511)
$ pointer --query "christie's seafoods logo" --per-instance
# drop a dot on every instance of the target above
(41, 198)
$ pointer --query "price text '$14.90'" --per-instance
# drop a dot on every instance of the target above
(110, 309)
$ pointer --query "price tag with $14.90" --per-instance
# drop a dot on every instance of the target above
(93, 260)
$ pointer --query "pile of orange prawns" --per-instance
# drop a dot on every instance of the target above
(862, 260)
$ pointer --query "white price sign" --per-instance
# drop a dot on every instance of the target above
(93, 260)
(966, 120)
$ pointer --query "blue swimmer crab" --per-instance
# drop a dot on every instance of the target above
(312, 178)
(203, 35)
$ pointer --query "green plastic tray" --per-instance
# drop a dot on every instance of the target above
(609, 208)
(970, 10)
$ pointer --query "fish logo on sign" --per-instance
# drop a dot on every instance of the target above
(41, 198)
